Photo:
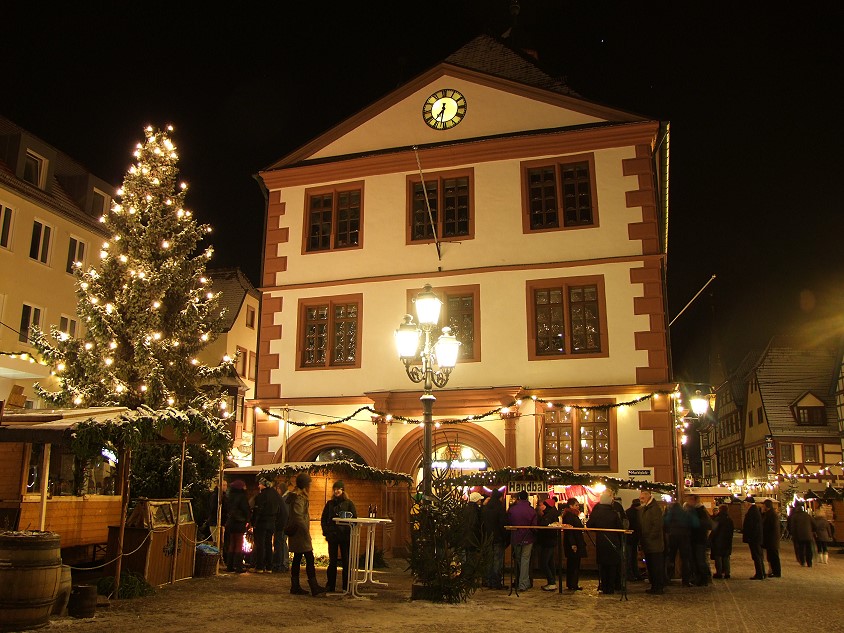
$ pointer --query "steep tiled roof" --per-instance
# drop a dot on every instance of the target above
(234, 286)
(786, 371)
(56, 199)
(490, 56)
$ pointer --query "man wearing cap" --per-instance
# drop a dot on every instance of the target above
(653, 542)
(521, 513)
(494, 518)
(337, 535)
(264, 514)
(751, 533)
(470, 523)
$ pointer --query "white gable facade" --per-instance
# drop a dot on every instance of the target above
(561, 310)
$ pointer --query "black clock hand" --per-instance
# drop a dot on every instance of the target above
(442, 114)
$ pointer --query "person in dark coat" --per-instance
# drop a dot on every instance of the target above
(751, 533)
(678, 524)
(653, 542)
(574, 545)
(721, 541)
(218, 503)
(608, 544)
(281, 555)
(298, 530)
(237, 523)
(699, 540)
(493, 519)
(470, 523)
(634, 522)
(802, 530)
(547, 514)
(264, 512)
(824, 534)
(338, 536)
(771, 538)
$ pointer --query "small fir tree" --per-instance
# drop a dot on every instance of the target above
(147, 307)
(439, 560)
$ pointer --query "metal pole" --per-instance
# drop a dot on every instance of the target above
(428, 419)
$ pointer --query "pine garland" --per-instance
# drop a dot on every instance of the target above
(342, 467)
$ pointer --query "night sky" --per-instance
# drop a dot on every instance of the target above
(751, 93)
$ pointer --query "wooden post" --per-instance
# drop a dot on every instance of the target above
(178, 515)
(45, 476)
(125, 469)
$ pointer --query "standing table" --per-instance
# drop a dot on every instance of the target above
(357, 575)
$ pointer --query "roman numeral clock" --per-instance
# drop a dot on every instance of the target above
(444, 109)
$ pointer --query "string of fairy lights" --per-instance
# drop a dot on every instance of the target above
(480, 417)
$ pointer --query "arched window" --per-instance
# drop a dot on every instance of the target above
(335, 453)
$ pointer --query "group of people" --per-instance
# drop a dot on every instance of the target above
(684, 530)
(808, 533)
(517, 525)
(280, 524)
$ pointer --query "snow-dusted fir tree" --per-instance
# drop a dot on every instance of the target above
(147, 306)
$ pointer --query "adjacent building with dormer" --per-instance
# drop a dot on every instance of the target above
(790, 423)
(538, 217)
(50, 207)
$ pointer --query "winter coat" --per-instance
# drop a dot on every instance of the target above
(824, 530)
(494, 518)
(607, 544)
(239, 510)
(701, 526)
(212, 507)
(298, 502)
(331, 530)
(522, 513)
(680, 521)
(721, 537)
(653, 536)
(547, 538)
(751, 526)
(800, 525)
(573, 537)
(634, 522)
(470, 525)
(265, 508)
(770, 530)
(283, 513)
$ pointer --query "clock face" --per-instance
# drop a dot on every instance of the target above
(444, 109)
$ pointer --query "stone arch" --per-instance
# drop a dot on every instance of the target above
(406, 457)
(307, 442)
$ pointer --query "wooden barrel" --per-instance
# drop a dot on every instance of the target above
(83, 601)
(60, 605)
(30, 575)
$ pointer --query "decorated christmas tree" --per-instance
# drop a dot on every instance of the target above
(147, 307)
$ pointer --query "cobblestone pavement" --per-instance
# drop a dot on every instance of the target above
(803, 599)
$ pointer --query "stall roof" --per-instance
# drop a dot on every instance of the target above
(50, 426)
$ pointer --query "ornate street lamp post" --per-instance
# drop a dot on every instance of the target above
(430, 366)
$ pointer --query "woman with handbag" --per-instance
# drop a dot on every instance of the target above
(298, 532)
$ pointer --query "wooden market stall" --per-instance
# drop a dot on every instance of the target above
(150, 542)
(388, 492)
(40, 489)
